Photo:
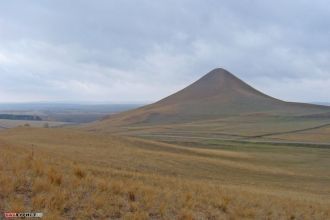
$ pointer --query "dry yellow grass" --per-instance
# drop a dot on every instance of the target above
(69, 174)
(320, 135)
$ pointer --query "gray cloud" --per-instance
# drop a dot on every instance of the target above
(123, 51)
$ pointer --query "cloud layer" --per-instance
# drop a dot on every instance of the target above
(143, 50)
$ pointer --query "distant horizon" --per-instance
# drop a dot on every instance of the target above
(108, 103)
(103, 102)
(75, 103)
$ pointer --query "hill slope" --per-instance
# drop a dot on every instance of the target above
(70, 174)
(217, 94)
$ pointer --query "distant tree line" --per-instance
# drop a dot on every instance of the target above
(20, 117)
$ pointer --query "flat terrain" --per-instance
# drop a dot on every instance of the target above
(56, 115)
(73, 174)
(70, 113)
(6, 124)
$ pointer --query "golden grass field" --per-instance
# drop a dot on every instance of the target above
(74, 174)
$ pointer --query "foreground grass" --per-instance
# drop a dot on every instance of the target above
(75, 175)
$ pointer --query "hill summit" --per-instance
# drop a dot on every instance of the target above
(217, 94)
(219, 84)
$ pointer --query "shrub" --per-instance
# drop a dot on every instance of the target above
(78, 172)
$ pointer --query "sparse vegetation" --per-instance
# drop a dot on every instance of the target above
(127, 178)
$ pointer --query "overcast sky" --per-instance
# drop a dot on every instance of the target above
(142, 50)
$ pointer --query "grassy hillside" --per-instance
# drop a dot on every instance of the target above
(74, 174)
(240, 128)
(218, 94)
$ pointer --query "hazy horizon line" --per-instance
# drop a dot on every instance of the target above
(76, 103)
(110, 103)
